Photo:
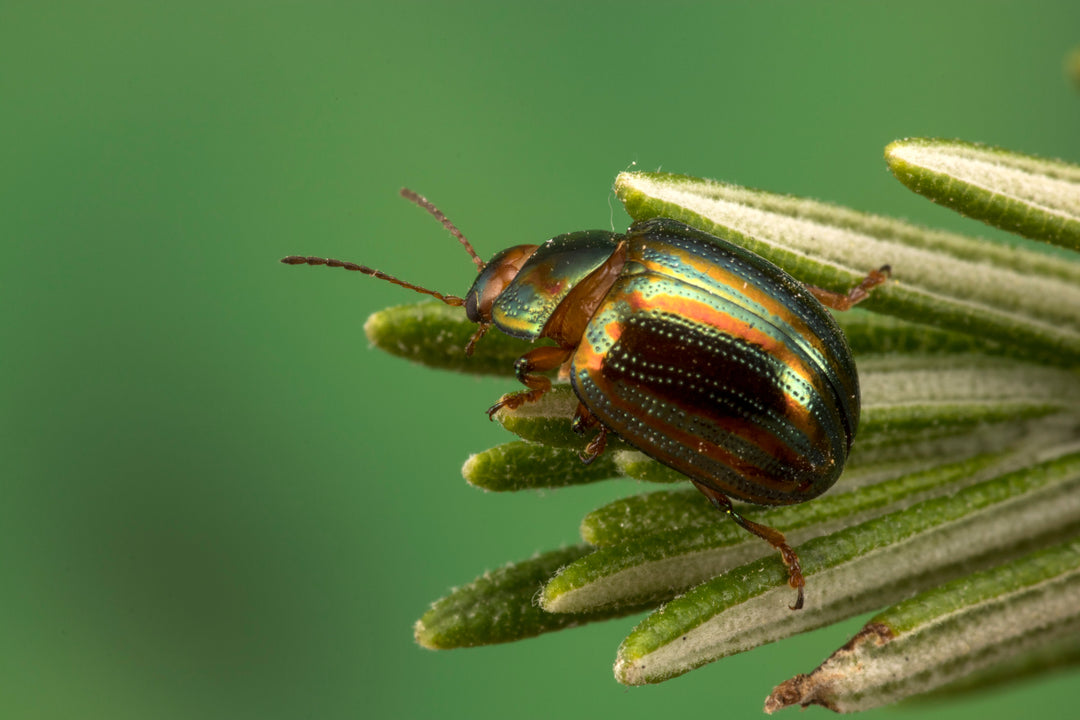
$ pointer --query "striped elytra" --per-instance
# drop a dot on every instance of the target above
(699, 353)
(715, 362)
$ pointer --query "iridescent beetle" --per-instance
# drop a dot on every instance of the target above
(701, 354)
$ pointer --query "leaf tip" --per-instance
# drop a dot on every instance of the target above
(373, 327)
(558, 594)
(891, 148)
(469, 470)
(588, 531)
(897, 156)
(628, 670)
(624, 179)
(825, 685)
(424, 636)
(548, 597)
(799, 690)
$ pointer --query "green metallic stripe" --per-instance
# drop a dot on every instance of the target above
(768, 294)
(796, 367)
(676, 451)
(650, 420)
(760, 288)
(790, 373)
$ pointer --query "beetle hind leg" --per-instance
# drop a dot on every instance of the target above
(537, 360)
(582, 423)
(766, 533)
(842, 301)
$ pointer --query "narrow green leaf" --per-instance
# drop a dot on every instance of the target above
(547, 421)
(434, 334)
(906, 392)
(1027, 195)
(499, 606)
(637, 516)
(947, 633)
(1022, 299)
(641, 515)
(639, 466)
(655, 567)
(857, 569)
(874, 333)
(1055, 656)
(529, 466)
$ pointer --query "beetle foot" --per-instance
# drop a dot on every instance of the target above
(512, 401)
(504, 401)
(795, 576)
(787, 554)
(595, 447)
(845, 301)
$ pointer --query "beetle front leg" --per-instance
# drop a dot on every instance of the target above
(766, 533)
(537, 360)
(582, 423)
(841, 301)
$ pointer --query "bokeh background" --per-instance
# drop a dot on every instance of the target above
(219, 502)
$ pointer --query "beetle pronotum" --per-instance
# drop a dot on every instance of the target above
(699, 353)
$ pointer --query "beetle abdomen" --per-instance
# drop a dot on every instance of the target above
(716, 363)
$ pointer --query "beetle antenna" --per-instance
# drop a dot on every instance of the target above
(438, 215)
(331, 262)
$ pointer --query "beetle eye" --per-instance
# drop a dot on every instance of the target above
(472, 307)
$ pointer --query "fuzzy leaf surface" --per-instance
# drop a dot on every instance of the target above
(857, 569)
(1030, 196)
(946, 633)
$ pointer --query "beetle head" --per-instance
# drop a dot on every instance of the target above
(493, 279)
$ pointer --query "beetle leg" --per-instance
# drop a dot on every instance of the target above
(481, 330)
(595, 447)
(582, 423)
(583, 420)
(537, 360)
(840, 301)
(766, 533)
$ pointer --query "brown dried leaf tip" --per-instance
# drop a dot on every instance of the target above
(823, 685)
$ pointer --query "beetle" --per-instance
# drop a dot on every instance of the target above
(697, 352)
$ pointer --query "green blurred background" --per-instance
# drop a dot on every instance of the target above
(219, 502)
